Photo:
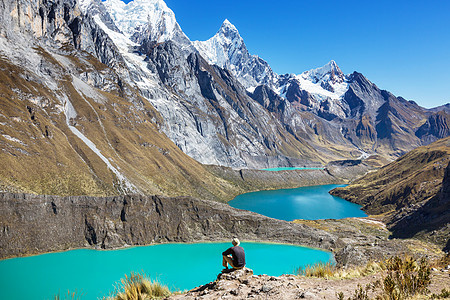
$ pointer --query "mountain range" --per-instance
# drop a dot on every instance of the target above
(115, 97)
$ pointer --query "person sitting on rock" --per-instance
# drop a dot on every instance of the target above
(234, 256)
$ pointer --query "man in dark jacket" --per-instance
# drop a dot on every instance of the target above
(234, 256)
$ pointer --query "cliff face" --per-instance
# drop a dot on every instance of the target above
(412, 192)
(34, 224)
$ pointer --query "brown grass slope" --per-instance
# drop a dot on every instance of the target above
(411, 192)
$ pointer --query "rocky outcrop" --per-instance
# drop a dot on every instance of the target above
(34, 224)
(243, 284)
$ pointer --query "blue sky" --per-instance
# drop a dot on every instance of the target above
(402, 46)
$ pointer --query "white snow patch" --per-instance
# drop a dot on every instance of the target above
(251, 89)
(13, 139)
(330, 76)
(317, 90)
(364, 155)
(136, 63)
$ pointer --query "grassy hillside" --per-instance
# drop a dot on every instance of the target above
(410, 192)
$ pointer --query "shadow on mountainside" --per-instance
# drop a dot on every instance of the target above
(431, 221)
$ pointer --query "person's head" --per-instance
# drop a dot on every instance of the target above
(235, 242)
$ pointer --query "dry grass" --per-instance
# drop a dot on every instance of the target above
(322, 270)
(403, 278)
(445, 294)
(52, 160)
(137, 286)
(330, 271)
(442, 262)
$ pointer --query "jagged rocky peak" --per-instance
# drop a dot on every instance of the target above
(315, 86)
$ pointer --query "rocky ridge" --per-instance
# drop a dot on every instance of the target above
(35, 224)
(65, 89)
(347, 110)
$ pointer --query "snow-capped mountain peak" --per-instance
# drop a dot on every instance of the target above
(228, 29)
(152, 16)
(223, 47)
(327, 81)
(330, 71)
(227, 49)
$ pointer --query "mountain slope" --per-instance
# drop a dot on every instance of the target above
(412, 192)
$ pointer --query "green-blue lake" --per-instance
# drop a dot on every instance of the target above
(290, 169)
(180, 266)
(309, 203)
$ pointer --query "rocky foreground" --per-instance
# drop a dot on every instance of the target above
(243, 284)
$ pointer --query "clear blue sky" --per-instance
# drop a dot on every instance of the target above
(402, 46)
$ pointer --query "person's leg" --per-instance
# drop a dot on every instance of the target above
(227, 260)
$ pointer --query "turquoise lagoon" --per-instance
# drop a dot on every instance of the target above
(93, 273)
(309, 203)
